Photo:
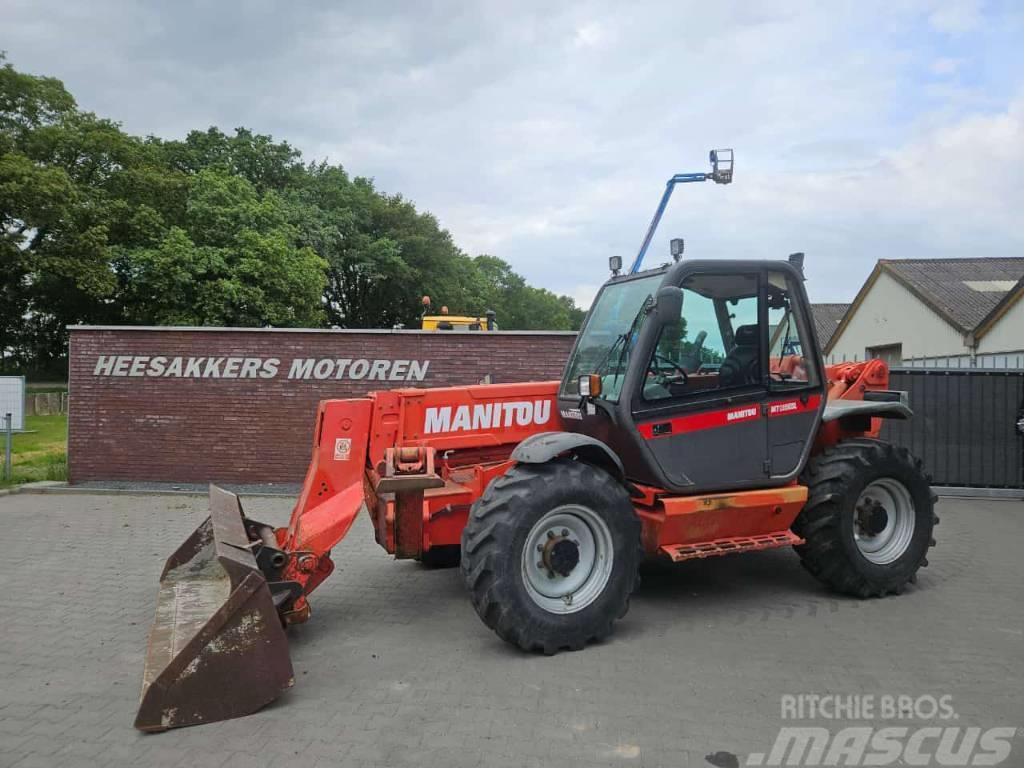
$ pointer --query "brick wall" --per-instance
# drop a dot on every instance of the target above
(136, 414)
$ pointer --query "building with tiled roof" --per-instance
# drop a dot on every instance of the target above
(827, 318)
(959, 311)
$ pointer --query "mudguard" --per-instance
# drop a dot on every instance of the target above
(839, 409)
(545, 446)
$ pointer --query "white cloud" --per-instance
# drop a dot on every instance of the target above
(584, 293)
(544, 133)
(591, 35)
(955, 17)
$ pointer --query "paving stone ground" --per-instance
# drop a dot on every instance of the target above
(395, 668)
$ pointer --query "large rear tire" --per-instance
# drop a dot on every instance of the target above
(868, 519)
(550, 555)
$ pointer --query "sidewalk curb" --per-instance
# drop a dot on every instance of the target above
(63, 489)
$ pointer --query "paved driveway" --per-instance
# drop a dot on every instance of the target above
(395, 668)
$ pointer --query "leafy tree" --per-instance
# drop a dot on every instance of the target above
(98, 226)
(237, 262)
(522, 306)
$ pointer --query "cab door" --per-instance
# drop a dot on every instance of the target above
(699, 407)
(796, 392)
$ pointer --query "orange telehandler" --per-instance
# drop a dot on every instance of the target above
(695, 418)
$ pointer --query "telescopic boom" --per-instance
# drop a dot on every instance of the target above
(721, 173)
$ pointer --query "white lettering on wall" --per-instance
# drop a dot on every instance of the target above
(163, 367)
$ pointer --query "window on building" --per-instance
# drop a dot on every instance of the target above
(890, 354)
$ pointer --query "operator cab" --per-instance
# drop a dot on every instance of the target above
(700, 375)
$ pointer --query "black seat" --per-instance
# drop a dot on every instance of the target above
(740, 366)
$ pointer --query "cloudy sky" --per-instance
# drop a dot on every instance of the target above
(543, 132)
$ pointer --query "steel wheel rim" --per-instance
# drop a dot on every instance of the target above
(583, 528)
(884, 543)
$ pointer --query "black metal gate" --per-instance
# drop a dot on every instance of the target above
(965, 424)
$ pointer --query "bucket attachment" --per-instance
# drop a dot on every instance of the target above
(217, 648)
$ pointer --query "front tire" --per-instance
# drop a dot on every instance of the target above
(550, 555)
(868, 520)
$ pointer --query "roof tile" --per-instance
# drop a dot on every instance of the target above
(826, 319)
(945, 284)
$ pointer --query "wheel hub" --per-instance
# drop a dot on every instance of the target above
(883, 521)
(561, 555)
(567, 559)
(872, 517)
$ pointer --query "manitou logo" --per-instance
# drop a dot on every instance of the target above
(742, 413)
(466, 418)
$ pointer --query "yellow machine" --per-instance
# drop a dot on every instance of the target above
(447, 322)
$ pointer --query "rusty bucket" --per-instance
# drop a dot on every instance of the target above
(217, 648)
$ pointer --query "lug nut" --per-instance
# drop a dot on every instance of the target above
(565, 532)
(551, 534)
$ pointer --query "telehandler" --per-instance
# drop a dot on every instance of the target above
(695, 418)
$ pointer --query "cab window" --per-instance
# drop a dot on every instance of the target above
(716, 345)
(790, 359)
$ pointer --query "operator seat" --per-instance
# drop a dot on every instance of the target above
(740, 366)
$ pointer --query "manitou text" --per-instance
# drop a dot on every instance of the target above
(466, 418)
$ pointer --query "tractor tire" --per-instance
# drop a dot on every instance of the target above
(869, 517)
(551, 554)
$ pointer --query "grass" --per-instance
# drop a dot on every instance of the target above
(40, 453)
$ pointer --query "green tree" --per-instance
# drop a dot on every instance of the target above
(257, 158)
(521, 306)
(238, 261)
(53, 232)
(98, 226)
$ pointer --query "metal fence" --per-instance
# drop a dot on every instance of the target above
(965, 425)
(989, 361)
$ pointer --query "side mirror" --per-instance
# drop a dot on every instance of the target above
(590, 385)
(669, 304)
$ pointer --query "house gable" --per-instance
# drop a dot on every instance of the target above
(1003, 329)
(883, 312)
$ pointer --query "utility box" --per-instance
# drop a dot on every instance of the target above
(12, 401)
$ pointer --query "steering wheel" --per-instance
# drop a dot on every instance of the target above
(656, 367)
